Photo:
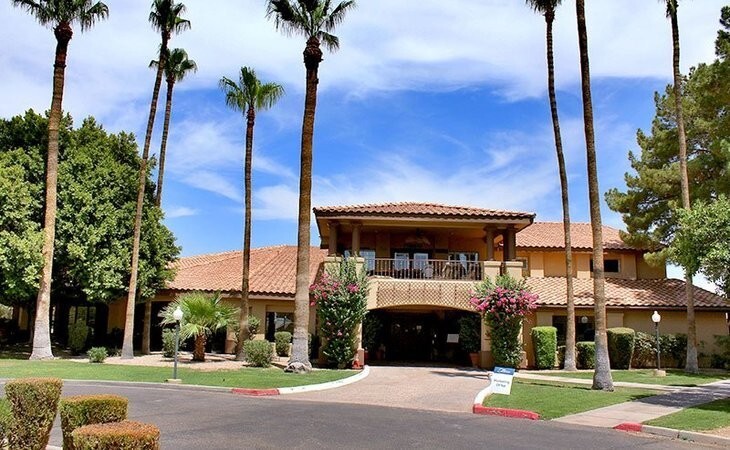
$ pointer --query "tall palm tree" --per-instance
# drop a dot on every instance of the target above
(672, 6)
(165, 18)
(547, 8)
(602, 376)
(248, 95)
(60, 15)
(315, 20)
(177, 67)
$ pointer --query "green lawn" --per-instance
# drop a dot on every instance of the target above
(709, 416)
(675, 377)
(552, 400)
(245, 377)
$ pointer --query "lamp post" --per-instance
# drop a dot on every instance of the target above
(656, 318)
(177, 315)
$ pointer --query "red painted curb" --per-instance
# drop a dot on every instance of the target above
(505, 412)
(628, 426)
(255, 392)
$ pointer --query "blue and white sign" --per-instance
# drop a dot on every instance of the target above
(502, 380)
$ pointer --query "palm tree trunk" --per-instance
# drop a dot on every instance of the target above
(42, 327)
(147, 326)
(199, 351)
(570, 331)
(127, 345)
(692, 365)
(243, 334)
(300, 345)
(602, 376)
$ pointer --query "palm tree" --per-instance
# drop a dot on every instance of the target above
(672, 5)
(59, 14)
(602, 376)
(203, 315)
(248, 96)
(177, 67)
(165, 18)
(547, 8)
(315, 20)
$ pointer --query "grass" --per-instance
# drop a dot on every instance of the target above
(255, 378)
(709, 416)
(552, 400)
(675, 377)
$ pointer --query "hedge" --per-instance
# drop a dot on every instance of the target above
(586, 358)
(258, 353)
(78, 335)
(545, 344)
(81, 410)
(33, 402)
(282, 340)
(126, 435)
(620, 347)
(97, 354)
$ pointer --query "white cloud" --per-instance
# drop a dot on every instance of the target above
(174, 212)
(214, 182)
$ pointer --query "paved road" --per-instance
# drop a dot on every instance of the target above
(219, 420)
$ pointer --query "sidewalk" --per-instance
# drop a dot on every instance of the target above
(657, 387)
(648, 408)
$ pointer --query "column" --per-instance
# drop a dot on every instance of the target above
(512, 238)
(332, 245)
(356, 239)
(490, 243)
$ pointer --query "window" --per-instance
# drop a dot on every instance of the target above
(464, 257)
(401, 261)
(276, 321)
(609, 265)
(369, 256)
(525, 265)
(584, 328)
(420, 260)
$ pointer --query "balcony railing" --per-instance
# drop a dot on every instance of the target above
(425, 269)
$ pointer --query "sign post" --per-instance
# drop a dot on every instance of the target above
(502, 380)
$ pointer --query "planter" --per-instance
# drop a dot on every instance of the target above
(474, 357)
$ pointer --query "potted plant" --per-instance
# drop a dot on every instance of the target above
(470, 337)
(371, 326)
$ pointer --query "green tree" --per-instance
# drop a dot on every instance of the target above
(60, 15)
(547, 9)
(602, 375)
(203, 315)
(177, 67)
(166, 19)
(248, 95)
(315, 20)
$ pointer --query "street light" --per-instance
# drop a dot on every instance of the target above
(178, 315)
(656, 318)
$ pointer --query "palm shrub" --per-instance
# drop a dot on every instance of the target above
(203, 315)
(341, 299)
(586, 354)
(168, 343)
(127, 435)
(282, 340)
(81, 410)
(545, 344)
(620, 347)
(78, 334)
(33, 402)
(504, 303)
(97, 354)
(258, 353)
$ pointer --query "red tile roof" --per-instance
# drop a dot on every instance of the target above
(551, 235)
(662, 293)
(410, 209)
(272, 271)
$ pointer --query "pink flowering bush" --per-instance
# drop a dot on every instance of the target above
(341, 299)
(504, 303)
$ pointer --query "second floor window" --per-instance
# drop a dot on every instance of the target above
(609, 265)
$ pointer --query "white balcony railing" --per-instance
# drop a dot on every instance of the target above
(425, 269)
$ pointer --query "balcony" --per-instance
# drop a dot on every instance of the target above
(425, 269)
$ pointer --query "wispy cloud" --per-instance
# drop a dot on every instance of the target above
(174, 212)
(214, 182)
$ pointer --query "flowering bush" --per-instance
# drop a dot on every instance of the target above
(341, 299)
(504, 303)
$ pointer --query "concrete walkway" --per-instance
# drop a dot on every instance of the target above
(426, 388)
(648, 408)
(656, 387)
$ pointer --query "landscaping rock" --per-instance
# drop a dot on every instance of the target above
(298, 367)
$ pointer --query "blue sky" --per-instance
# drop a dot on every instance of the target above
(425, 101)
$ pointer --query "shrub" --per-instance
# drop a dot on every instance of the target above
(78, 334)
(126, 435)
(620, 347)
(561, 356)
(83, 410)
(258, 353)
(282, 339)
(721, 360)
(97, 354)
(33, 402)
(586, 357)
(644, 350)
(470, 333)
(168, 343)
(673, 349)
(6, 417)
(253, 327)
(545, 344)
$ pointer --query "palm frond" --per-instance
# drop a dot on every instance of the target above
(337, 16)
(330, 41)
(178, 65)
(233, 94)
(268, 95)
(202, 314)
(46, 12)
(87, 17)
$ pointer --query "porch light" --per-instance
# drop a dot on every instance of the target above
(656, 318)
(584, 320)
(177, 315)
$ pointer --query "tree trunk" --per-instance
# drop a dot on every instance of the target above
(147, 327)
(127, 346)
(692, 365)
(243, 334)
(602, 375)
(42, 327)
(199, 351)
(300, 345)
(570, 329)
(163, 144)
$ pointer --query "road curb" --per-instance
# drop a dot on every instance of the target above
(255, 392)
(693, 436)
(479, 408)
(308, 388)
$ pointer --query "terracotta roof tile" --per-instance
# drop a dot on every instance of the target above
(272, 270)
(551, 235)
(661, 293)
(411, 209)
